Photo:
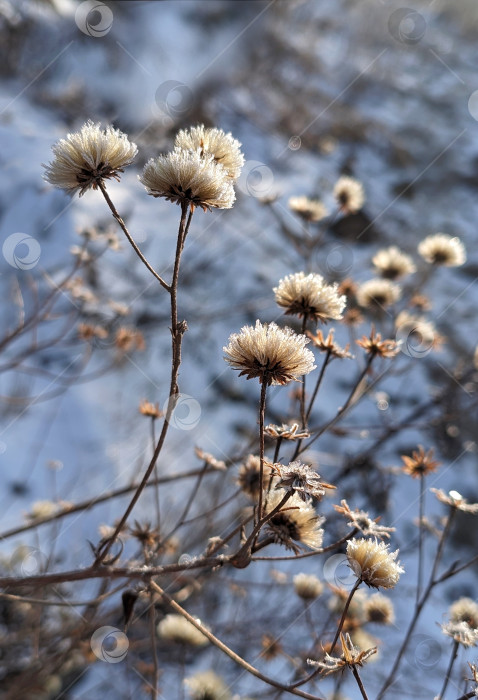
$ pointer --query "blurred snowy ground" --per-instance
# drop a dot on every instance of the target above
(312, 90)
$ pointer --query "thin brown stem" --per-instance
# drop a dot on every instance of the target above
(122, 225)
(229, 652)
(454, 654)
(359, 682)
(177, 331)
(420, 537)
(152, 619)
(262, 410)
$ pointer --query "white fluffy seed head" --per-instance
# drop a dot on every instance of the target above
(224, 148)
(442, 249)
(310, 296)
(188, 177)
(274, 355)
(87, 157)
(373, 563)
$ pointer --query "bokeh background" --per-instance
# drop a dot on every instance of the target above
(385, 93)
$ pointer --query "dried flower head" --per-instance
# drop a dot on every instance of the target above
(86, 158)
(146, 535)
(461, 632)
(187, 177)
(129, 339)
(146, 408)
(379, 609)
(86, 331)
(353, 317)
(455, 500)
(309, 296)
(176, 628)
(442, 249)
(286, 432)
(249, 475)
(374, 345)
(308, 209)
(271, 647)
(418, 333)
(464, 610)
(392, 263)
(328, 344)
(378, 294)
(349, 194)
(300, 479)
(360, 519)
(224, 148)
(308, 586)
(420, 463)
(209, 459)
(351, 657)
(295, 522)
(274, 355)
(42, 509)
(207, 685)
(373, 564)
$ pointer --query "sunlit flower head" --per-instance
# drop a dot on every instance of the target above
(309, 296)
(350, 658)
(249, 479)
(308, 209)
(328, 344)
(464, 610)
(209, 459)
(274, 355)
(207, 685)
(286, 432)
(301, 479)
(295, 522)
(373, 563)
(308, 586)
(186, 177)
(420, 463)
(455, 500)
(87, 157)
(378, 294)
(224, 148)
(392, 263)
(176, 628)
(349, 194)
(461, 632)
(442, 249)
(418, 333)
(374, 345)
(379, 609)
(360, 520)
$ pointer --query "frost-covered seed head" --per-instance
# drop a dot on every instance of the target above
(177, 629)
(274, 355)
(309, 296)
(225, 149)
(308, 209)
(373, 564)
(393, 263)
(442, 249)
(349, 194)
(378, 294)
(87, 157)
(187, 177)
